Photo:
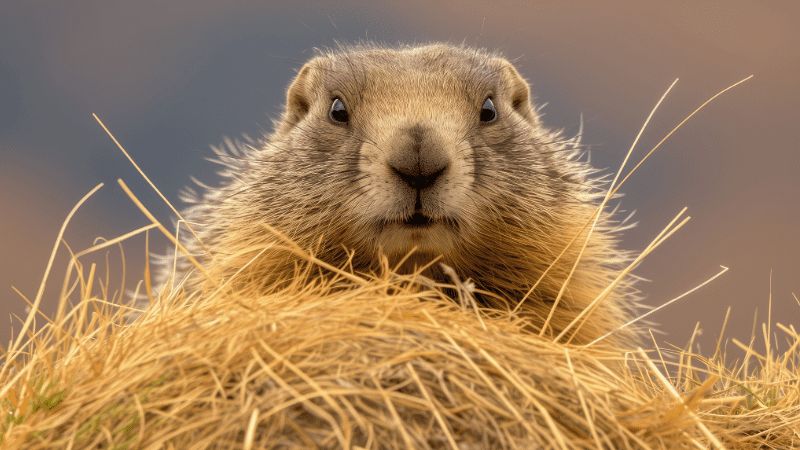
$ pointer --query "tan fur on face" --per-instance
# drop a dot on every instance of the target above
(507, 197)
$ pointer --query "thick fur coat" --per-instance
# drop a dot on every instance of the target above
(437, 148)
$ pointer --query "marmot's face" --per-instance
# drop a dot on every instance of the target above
(416, 147)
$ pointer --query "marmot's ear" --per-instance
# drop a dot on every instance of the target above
(519, 93)
(300, 95)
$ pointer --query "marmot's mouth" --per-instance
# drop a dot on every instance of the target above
(421, 221)
(418, 220)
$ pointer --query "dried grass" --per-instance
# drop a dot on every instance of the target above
(344, 360)
(334, 363)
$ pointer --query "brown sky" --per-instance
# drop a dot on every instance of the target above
(171, 78)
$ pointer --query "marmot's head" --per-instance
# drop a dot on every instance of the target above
(435, 147)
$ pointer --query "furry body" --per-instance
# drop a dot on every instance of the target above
(415, 165)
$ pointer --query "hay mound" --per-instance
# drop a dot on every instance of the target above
(339, 361)
(333, 363)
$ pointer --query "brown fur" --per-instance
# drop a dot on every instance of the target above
(511, 195)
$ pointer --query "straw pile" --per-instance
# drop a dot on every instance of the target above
(337, 360)
(345, 360)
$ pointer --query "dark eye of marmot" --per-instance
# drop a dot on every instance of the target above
(338, 113)
(488, 113)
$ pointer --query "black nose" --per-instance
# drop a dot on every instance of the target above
(418, 159)
(415, 179)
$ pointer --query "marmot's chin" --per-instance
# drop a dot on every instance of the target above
(428, 235)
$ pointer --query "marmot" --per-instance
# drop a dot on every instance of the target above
(439, 147)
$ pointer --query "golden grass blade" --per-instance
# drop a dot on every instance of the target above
(11, 354)
(724, 269)
(251, 430)
(433, 406)
(676, 128)
(165, 231)
(596, 217)
(584, 315)
(677, 396)
(151, 184)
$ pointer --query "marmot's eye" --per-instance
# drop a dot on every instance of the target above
(338, 113)
(488, 113)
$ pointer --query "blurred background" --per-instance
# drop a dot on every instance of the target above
(171, 78)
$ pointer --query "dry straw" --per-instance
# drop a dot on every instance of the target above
(344, 360)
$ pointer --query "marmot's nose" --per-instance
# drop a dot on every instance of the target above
(419, 160)
(415, 179)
